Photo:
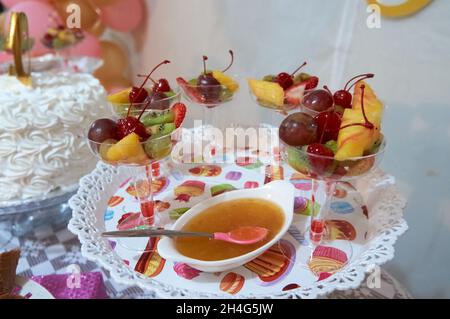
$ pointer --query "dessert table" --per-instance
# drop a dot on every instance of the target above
(53, 249)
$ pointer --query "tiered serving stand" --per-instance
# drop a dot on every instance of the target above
(366, 218)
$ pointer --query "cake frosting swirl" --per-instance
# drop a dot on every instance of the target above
(42, 132)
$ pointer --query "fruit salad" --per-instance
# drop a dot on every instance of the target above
(159, 96)
(60, 38)
(137, 140)
(338, 144)
(283, 91)
(210, 88)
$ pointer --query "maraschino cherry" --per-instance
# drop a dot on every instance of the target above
(328, 125)
(139, 94)
(207, 85)
(285, 80)
(320, 157)
(131, 124)
(162, 86)
(343, 97)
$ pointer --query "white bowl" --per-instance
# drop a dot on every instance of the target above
(278, 192)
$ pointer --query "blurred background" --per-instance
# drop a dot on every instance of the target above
(339, 39)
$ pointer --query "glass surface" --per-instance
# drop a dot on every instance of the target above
(325, 171)
(209, 96)
(121, 109)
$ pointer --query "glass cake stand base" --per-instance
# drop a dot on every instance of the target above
(5, 235)
(19, 218)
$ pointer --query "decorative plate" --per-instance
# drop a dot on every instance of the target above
(364, 226)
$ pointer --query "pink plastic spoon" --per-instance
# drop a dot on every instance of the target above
(242, 235)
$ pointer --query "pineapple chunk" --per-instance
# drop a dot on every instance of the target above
(127, 150)
(121, 97)
(225, 80)
(270, 93)
(353, 141)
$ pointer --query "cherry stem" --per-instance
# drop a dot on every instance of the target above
(367, 123)
(324, 129)
(204, 64)
(363, 87)
(145, 108)
(144, 76)
(296, 70)
(145, 82)
(231, 62)
(362, 76)
(328, 90)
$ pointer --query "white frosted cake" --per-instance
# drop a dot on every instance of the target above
(42, 132)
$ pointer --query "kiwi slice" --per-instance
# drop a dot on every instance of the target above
(155, 118)
(161, 130)
(332, 145)
(299, 78)
(170, 93)
(159, 148)
(269, 78)
(226, 95)
(298, 160)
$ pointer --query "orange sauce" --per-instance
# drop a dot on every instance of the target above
(225, 217)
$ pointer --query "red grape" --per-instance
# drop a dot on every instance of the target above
(102, 130)
(298, 129)
(318, 100)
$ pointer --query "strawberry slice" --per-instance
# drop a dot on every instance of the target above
(311, 83)
(191, 91)
(294, 95)
(179, 113)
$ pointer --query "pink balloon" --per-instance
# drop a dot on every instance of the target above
(5, 57)
(89, 46)
(10, 3)
(39, 21)
(125, 15)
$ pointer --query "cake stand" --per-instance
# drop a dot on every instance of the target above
(19, 217)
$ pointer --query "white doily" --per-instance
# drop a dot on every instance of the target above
(385, 226)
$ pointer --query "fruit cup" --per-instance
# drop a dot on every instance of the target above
(210, 89)
(282, 93)
(209, 96)
(135, 143)
(272, 96)
(325, 172)
(137, 156)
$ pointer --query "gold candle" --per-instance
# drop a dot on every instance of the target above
(18, 30)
